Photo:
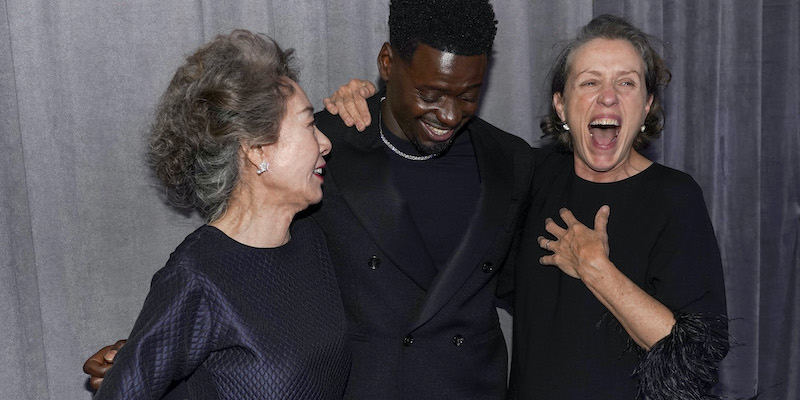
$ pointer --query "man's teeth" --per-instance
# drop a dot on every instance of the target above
(437, 131)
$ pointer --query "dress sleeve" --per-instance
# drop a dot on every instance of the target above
(685, 274)
(172, 336)
(505, 282)
(541, 159)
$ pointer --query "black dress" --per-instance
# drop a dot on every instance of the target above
(237, 322)
(566, 343)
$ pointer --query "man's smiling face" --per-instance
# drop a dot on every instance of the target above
(431, 97)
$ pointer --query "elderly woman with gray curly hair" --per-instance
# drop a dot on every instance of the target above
(247, 307)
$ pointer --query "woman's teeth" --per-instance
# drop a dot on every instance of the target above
(604, 122)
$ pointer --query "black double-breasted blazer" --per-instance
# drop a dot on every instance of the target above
(411, 340)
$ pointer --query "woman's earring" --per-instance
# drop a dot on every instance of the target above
(642, 129)
(263, 167)
(565, 126)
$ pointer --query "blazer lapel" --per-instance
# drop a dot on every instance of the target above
(361, 171)
(490, 218)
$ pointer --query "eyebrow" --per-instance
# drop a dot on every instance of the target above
(443, 89)
(595, 72)
(308, 109)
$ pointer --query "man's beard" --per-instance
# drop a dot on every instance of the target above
(436, 148)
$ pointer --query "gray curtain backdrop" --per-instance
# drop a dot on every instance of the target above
(82, 226)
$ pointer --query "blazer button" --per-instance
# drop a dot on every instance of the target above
(374, 262)
(488, 267)
(458, 340)
(408, 340)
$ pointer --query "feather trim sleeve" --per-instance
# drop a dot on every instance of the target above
(683, 365)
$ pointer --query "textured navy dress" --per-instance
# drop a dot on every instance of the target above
(237, 322)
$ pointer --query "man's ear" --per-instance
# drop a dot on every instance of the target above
(385, 59)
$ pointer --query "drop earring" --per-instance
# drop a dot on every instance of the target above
(263, 167)
(642, 129)
(565, 126)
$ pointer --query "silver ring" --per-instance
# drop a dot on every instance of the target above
(547, 245)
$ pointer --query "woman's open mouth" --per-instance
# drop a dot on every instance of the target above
(604, 132)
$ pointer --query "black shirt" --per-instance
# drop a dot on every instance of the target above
(441, 192)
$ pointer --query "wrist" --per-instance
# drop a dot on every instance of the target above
(598, 272)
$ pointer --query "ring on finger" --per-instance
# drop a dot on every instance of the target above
(547, 245)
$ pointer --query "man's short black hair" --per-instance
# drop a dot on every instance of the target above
(461, 27)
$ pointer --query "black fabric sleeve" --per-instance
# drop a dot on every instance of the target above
(173, 334)
(685, 274)
(505, 282)
(684, 364)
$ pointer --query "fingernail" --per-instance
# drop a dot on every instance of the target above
(360, 127)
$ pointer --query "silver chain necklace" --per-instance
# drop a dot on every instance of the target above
(395, 150)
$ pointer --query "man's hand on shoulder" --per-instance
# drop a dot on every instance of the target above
(349, 102)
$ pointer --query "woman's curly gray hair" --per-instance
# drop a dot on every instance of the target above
(232, 90)
(657, 76)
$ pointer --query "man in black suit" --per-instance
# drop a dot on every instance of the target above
(420, 211)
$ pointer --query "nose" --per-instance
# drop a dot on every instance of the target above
(450, 114)
(324, 143)
(608, 96)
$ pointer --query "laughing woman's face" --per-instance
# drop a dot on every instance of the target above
(605, 103)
